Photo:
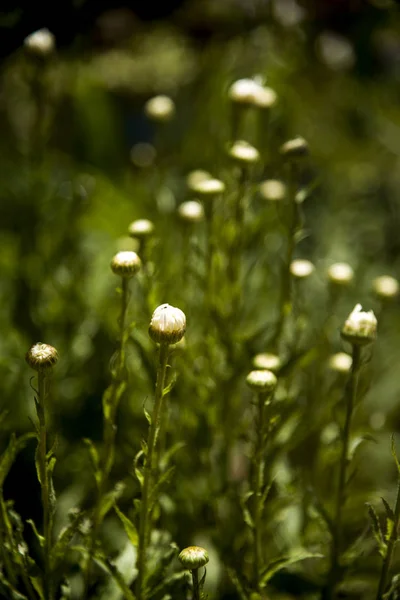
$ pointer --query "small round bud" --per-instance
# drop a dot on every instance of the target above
(262, 381)
(40, 43)
(126, 263)
(265, 98)
(296, 148)
(244, 153)
(167, 325)
(244, 91)
(141, 228)
(385, 287)
(360, 327)
(340, 274)
(191, 211)
(267, 361)
(194, 177)
(193, 557)
(209, 187)
(273, 190)
(41, 356)
(160, 108)
(301, 268)
(340, 362)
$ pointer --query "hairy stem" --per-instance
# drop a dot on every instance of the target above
(44, 482)
(196, 586)
(149, 467)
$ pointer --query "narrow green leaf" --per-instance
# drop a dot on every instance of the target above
(283, 562)
(147, 415)
(39, 537)
(162, 479)
(109, 499)
(240, 588)
(393, 448)
(247, 517)
(129, 527)
(389, 511)
(94, 459)
(170, 386)
(137, 469)
(164, 462)
(104, 562)
(64, 539)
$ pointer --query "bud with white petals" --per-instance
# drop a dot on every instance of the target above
(126, 264)
(360, 327)
(167, 325)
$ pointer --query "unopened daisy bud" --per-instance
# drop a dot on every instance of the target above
(294, 149)
(160, 108)
(167, 325)
(340, 274)
(385, 287)
(126, 263)
(340, 362)
(262, 381)
(360, 327)
(244, 153)
(267, 361)
(40, 43)
(209, 187)
(265, 97)
(191, 211)
(41, 356)
(244, 91)
(301, 268)
(273, 190)
(193, 557)
(195, 176)
(141, 228)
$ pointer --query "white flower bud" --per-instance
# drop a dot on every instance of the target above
(273, 190)
(193, 178)
(126, 263)
(244, 153)
(301, 268)
(40, 43)
(41, 356)
(249, 92)
(167, 325)
(160, 108)
(209, 187)
(340, 362)
(340, 273)
(296, 148)
(267, 361)
(141, 228)
(193, 557)
(191, 211)
(262, 381)
(360, 327)
(385, 287)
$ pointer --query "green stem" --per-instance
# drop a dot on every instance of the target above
(337, 537)
(145, 508)
(109, 431)
(45, 487)
(258, 485)
(196, 586)
(390, 547)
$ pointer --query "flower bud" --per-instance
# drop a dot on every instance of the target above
(267, 361)
(385, 287)
(360, 327)
(191, 211)
(40, 43)
(296, 148)
(209, 187)
(167, 325)
(340, 274)
(262, 381)
(126, 263)
(301, 268)
(244, 153)
(273, 190)
(195, 176)
(193, 557)
(41, 356)
(160, 108)
(141, 228)
(340, 362)
(249, 92)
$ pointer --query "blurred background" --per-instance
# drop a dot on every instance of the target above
(80, 160)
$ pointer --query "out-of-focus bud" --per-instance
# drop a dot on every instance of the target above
(41, 357)
(385, 287)
(273, 189)
(193, 557)
(295, 149)
(194, 177)
(209, 187)
(340, 274)
(191, 211)
(40, 43)
(249, 92)
(126, 263)
(262, 381)
(160, 108)
(340, 362)
(167, 325)
(244, 153)
(141, 228)
(360, 327)
(267, 361)
(301, 268)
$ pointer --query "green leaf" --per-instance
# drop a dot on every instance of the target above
(393, 449)
(170, 453)
(94, 459)
(390, 518)
(64, 539)
(170, 386)
(164, 478)
(39, 537)
(147, 415)
(109, 499)
(105, 562)
(129, 527)
(240, 588)
(283, 562)
(137, 469)
(377, 531)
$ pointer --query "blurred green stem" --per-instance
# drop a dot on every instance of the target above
(196, 585)
(149, 467)
(337, 536)
(389, 548)
(258, 486)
